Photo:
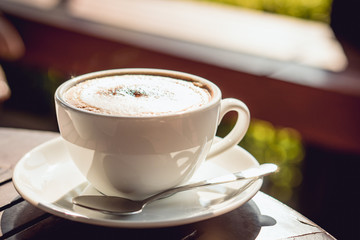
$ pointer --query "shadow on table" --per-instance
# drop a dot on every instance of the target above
(24, 221)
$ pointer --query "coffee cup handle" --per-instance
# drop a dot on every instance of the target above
(239, 130)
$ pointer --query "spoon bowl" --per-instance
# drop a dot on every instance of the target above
(123, 206)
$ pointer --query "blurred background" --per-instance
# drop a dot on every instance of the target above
(295, 63)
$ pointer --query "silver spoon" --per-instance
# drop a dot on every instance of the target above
(124, 206)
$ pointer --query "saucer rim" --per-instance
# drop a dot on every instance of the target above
(70, 214)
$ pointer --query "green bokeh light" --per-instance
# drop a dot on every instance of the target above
(317, 10)
(280, 145)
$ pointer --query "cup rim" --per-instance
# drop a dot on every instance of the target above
(213, 89)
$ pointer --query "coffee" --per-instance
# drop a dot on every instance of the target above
(137, 95)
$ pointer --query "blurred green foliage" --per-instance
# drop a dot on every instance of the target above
(317, 10)
(282, 146)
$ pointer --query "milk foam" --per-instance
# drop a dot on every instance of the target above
(137, 95)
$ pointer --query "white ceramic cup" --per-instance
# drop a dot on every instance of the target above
(135, 157)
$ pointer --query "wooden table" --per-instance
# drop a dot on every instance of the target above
(263, 217)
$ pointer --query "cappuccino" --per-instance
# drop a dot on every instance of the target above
(135, 132)
(137, 95)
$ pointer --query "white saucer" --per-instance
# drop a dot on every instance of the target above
(47, 178)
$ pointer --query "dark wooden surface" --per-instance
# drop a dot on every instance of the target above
(263, 217)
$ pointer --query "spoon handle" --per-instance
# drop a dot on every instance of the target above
(250, 173)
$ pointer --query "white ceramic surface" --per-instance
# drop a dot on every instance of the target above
(47, 178)
(113, 151)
